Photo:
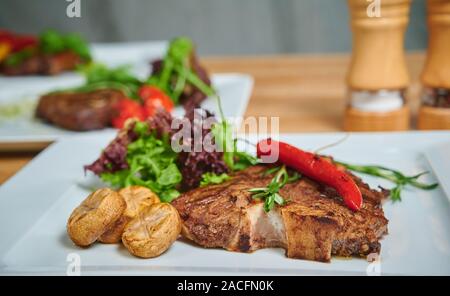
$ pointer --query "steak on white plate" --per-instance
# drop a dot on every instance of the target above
(314, 225)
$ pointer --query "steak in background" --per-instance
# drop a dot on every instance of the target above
(79, 111)
(314, 225)
(43, 64)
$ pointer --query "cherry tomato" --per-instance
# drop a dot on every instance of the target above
(126, 109)
(154, 98)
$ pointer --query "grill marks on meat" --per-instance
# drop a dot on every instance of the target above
(314, 225)
(332, 224)
(79, 111)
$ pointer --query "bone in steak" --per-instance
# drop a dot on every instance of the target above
(315, 224)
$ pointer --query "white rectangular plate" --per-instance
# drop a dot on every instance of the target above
(439, 159)
(136, 54)
(234, 89)
(36, 203)
(22, 131)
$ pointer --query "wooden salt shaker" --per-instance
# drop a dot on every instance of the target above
(435, 110)
(378, 76)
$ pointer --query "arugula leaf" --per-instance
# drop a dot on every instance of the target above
(53, 42)
(17, 58)
(169, 195)
(211, 178)
(100, 76)
(97, 72)
(395, 176)
(243, 160)
(170, 176)
(223, 137)
(116, 179)
(235, 160)
(176, 71)
(78, 45)
(151, 163)
(270, 194)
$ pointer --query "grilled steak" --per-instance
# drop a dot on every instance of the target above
(43, 64)
(314, 224)
(79, 111)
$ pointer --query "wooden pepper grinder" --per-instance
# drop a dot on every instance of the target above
(378, 76)
(435, 110)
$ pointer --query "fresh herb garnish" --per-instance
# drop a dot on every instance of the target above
(53, 42)
(398, 178)
(235, 160)
(270, 194)
(223, 135)
(176, 71)
(151, 163)
(211, 178)
(19, 57)
(96, 72)
(243, 160)
(172, 79)
(99, 76)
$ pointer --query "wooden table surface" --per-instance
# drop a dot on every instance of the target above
(307, 92)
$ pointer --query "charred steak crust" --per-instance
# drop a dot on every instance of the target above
(314, 225)
(79, 111)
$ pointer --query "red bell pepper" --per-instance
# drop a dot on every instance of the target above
(315, 167)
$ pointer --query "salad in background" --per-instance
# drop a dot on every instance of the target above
(111, 96)
(50, 53)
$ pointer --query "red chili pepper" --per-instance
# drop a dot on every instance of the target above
(153, 99)
(314, 167)
(126, 109)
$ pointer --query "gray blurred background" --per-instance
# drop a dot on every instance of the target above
(220, 27)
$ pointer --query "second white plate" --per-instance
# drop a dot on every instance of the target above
(36, 203)
(22, 131)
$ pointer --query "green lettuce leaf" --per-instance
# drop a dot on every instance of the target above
(152, 163)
